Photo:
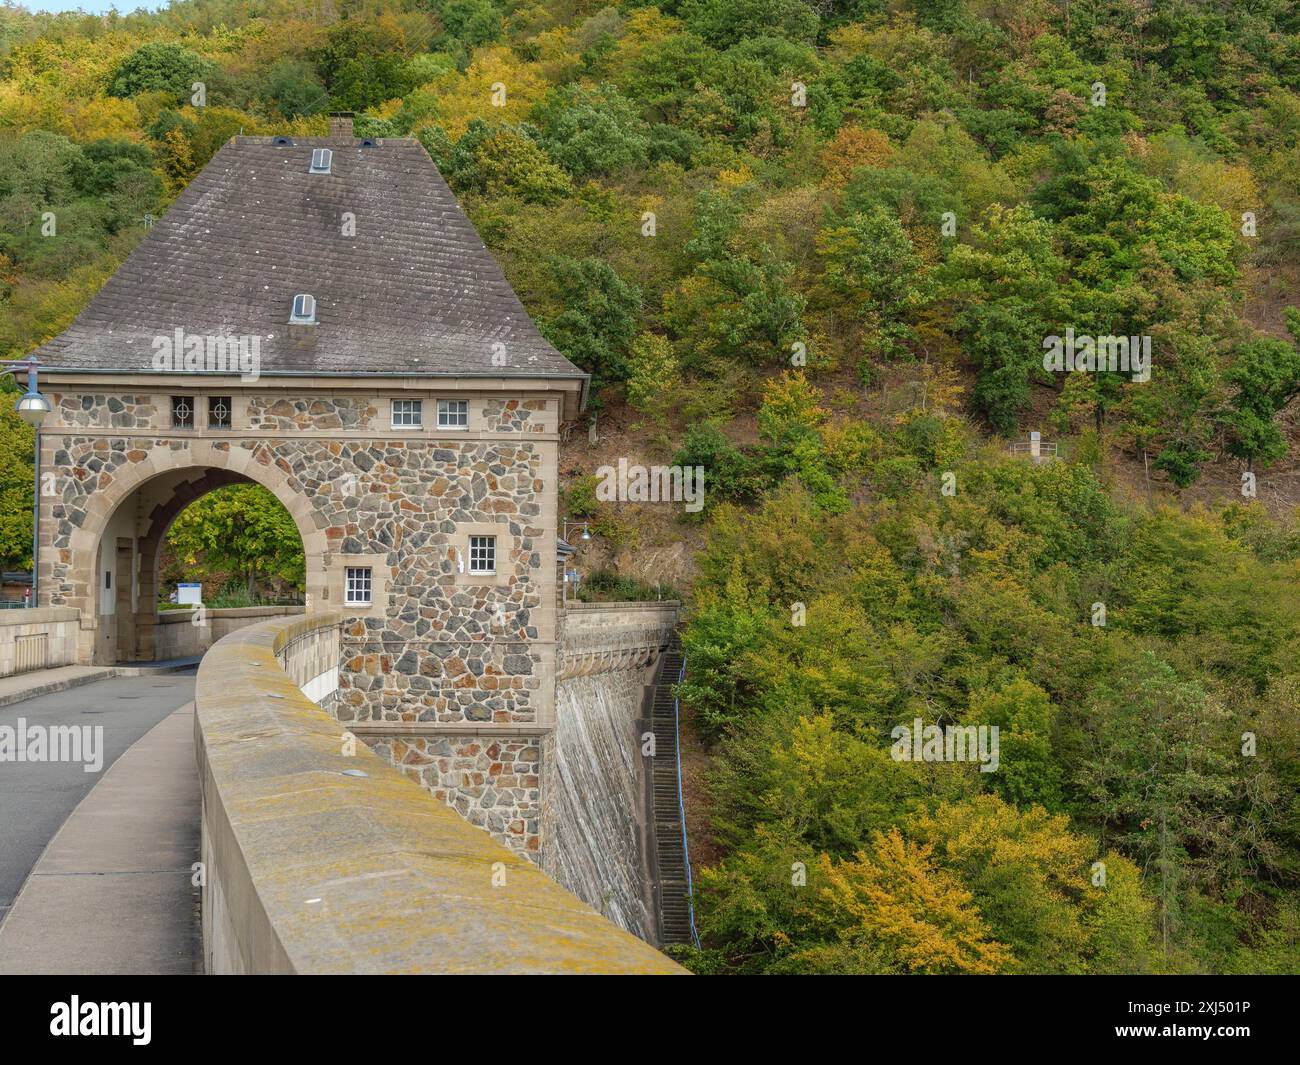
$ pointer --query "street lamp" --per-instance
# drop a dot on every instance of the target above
(571, 576)
(32, 407)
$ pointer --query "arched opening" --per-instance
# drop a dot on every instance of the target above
(132, 593)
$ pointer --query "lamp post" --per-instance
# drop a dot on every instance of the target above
(32, 407)
(586, 533)
(564, 535)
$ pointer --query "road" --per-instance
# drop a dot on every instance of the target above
(37, 797)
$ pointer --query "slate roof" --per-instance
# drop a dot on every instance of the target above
(414, 292)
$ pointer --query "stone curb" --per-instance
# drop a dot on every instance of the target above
(50, 687)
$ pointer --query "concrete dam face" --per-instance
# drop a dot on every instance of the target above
(595, 840)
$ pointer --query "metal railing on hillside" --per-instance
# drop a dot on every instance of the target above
(681, 804)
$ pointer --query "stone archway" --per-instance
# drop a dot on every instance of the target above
(160, 518)
(159, 486)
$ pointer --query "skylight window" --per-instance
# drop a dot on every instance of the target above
(320, 160)
(304, 310)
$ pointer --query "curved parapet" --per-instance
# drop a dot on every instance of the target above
(609, 637)
(320, 857)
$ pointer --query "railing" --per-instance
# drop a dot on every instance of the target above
(681, 803)
(321, 857)
(31, 652)
(1025, 448)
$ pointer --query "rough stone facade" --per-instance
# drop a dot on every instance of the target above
(319, 413)
(493, 783)
(446, 648)
(98, 410)
(438, 646)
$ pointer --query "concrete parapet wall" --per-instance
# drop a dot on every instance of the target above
(38, 638)
(602, 637)
(309, 870)
(176, 635)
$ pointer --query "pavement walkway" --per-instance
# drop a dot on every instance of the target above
(107, 885)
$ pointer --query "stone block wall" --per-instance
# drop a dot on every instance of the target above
(494, 782)
(437, 644)
(178, 637)
(54, 629)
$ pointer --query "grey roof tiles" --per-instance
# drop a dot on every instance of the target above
(415, 291)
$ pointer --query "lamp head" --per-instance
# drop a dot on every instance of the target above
(32, 407)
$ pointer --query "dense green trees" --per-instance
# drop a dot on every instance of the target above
(242, 530)
(159, 67)
(801, 240)
(1128, 772)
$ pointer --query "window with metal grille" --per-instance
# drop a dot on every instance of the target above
(407, 413)
(482, 554)
(453, 413)
(219, 412)
(357, 589)
(182, 412)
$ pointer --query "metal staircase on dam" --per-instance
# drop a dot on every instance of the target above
(671, 863)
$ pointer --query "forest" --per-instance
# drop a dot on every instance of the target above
(820, 248)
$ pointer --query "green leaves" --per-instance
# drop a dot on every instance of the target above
(159, 67)
(242, 529)
(600, 318)
(1266, 375)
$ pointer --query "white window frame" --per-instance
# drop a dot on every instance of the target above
(485, 547)
(414, 407)
(445, 411)
(358, 579)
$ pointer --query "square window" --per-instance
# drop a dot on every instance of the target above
(182, 412)
(219, 408)
(482, 554)
(357, 587)
(356, 591)
(453, 414)
(407, 413)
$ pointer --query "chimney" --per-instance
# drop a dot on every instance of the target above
(341, 123)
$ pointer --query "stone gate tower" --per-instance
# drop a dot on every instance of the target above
(319, 316)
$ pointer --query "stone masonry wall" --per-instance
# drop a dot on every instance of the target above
(100, 410)
(518, 785)
(441, 645)
(513, 416)
(494, 783)
(312, 413)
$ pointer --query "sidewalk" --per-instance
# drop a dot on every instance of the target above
(112, 893)
(45, 681)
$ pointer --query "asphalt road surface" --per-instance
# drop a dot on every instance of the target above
(37, 797)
